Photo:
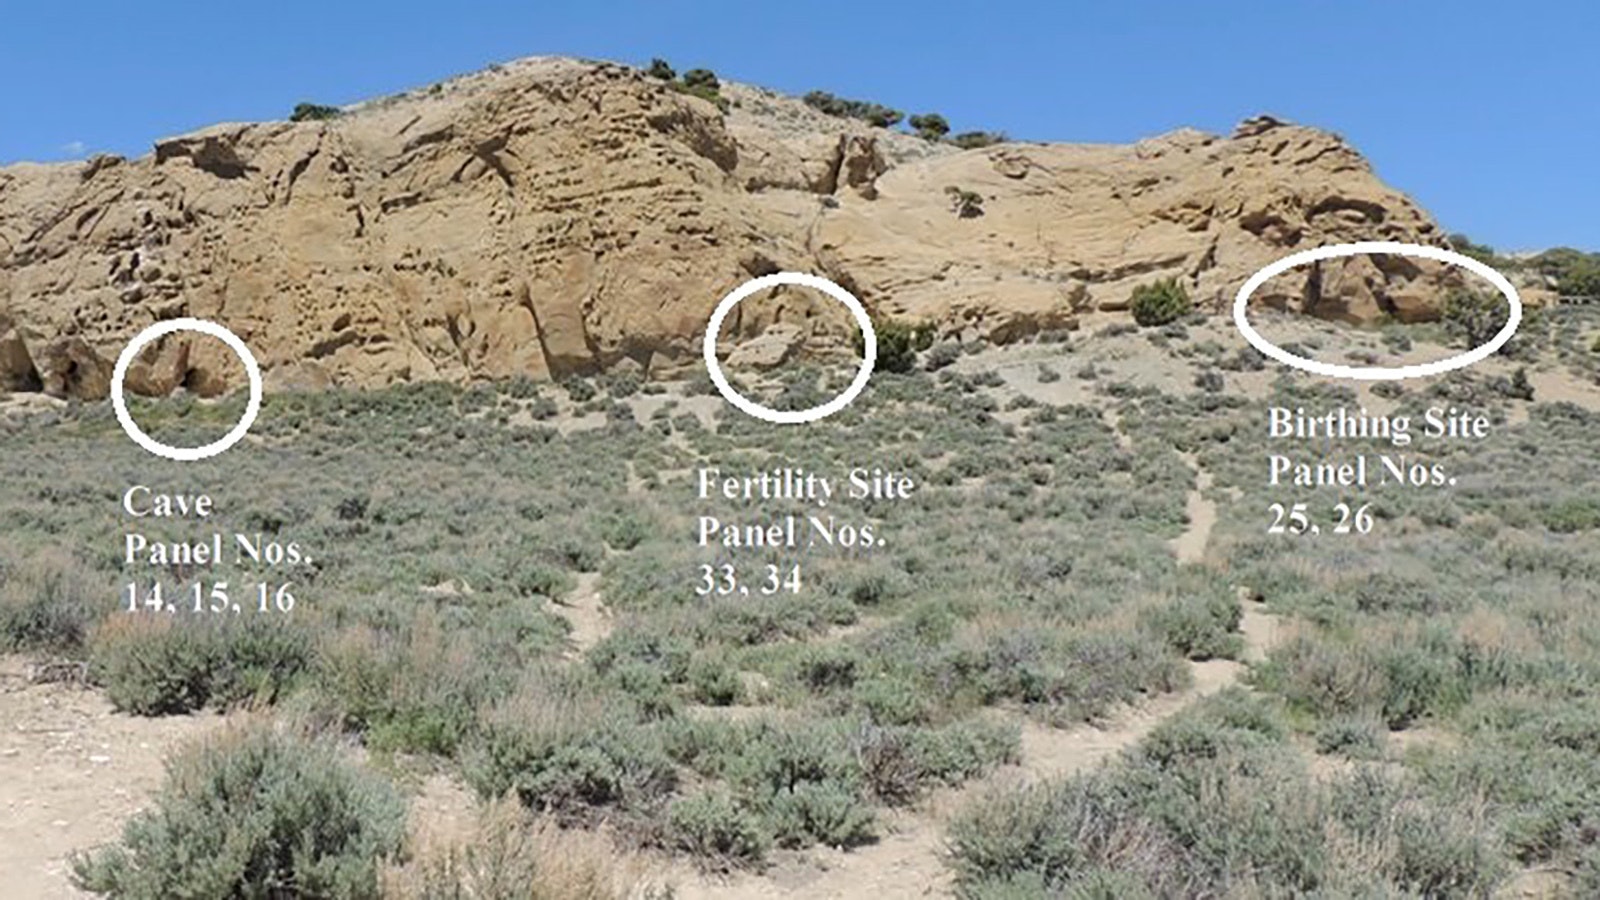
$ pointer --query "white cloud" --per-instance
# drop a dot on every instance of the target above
(75, 148)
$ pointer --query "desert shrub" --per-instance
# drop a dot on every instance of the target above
(1409, 844)
(1586, 880)
(871, 584)
(258, 662)
(1198, 626)
(962, 750)
(417, 691)
(635, 642)
(1323, 677)
(647, 688)
(964, 203)
(890, 768)
(942, 355)
(521, 387)
(152, 665)
(1473, 316)
(1398, 679)
(1438, 854)
(1581, 280)
(1042, 841)
(882, 116)
(1517, 387)
(576, 547)
(1245, 359)
(1467, 247)
(1211, 800)
(1160, 302)
(660, 69)
(563, 747)
(1357, 737)
(1419, 680)
(1210, 381)
(929, 126)
(1531, 759)
(47, 603)
(828, 667)
(715, 826)
(871, 113)
(535, 575)
(313, 112)
(899, 342)
(1065, 674)
(973, 140)
(248, 814)
(701, 78)
(803, 779)
(891, 701)
(625, 530)
(1570, 515)
(713, 681)
(543, 408)
(826, 812)
(580, 390)
(622, 384)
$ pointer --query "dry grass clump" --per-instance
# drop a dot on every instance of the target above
(511, 853)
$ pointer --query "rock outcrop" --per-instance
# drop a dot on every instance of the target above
(553, 217)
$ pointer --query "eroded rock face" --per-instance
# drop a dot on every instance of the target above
(18, 372)
(556, 217)
(1078, 227)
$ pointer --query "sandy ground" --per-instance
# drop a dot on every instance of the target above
(586, 614)
(71, 771)
(1190, 547)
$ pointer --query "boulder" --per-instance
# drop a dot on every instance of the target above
(771, 349)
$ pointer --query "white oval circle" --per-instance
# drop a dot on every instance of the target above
(160, 330)
(869, 353)
(1378, 373)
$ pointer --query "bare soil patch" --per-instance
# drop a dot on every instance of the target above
(72, 770)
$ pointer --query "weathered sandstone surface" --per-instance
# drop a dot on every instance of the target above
(555, 217)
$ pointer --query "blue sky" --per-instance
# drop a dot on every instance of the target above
(1487, 113)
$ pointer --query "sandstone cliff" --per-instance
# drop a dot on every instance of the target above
(553, 217)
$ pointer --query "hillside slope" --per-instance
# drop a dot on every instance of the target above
(553, 217)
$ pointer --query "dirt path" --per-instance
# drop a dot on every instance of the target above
(71, 772)
(1113, 420)
(636, 484)
(907, 862)
(1190, 547)
(1262, 631)
(584, 609)
(586, 613)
